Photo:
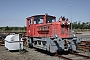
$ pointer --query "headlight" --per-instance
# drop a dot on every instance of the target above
(63, 22)
(68, 23)
(56, 35)
(74, 35)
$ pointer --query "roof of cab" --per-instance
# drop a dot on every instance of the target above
(41, 15)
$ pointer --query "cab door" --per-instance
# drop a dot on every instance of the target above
(30, 27)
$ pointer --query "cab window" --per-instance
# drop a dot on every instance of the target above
(50, 19)
(30, 21)
(38, 19)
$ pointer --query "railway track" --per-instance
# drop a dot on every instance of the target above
(70, 56)
(73, 56)
(84, 45)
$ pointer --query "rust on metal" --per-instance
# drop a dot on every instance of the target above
(84, 45)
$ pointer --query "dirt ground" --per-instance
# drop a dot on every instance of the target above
(31, 54)
(85, 36)
(7, 55)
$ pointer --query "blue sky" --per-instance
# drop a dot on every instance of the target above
(14, 12)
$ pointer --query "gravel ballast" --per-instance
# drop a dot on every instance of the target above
(31, 54)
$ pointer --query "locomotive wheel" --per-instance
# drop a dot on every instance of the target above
(30, 45)
(30, 42)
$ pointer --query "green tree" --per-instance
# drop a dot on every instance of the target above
(6, 28)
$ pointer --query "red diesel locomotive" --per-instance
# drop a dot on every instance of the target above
(43, 32)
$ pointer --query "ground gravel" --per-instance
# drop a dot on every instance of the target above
(31, 54)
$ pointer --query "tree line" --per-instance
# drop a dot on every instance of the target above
(75, 25)
(12, 29)
(81, 25)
